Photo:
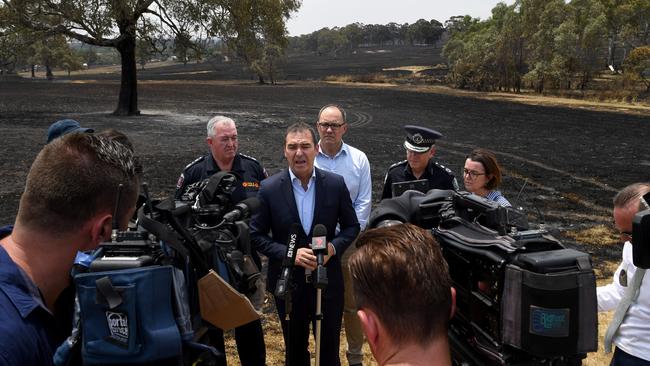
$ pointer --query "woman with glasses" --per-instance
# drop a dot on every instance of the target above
(482, 175)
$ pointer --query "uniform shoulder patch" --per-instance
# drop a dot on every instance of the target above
(196, 161)
(447, 170)
(397, 164)
(256, 162)
(248, 157)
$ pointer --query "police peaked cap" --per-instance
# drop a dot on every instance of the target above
(420, 139)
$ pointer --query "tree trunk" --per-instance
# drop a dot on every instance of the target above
(33, 71)
(611, 50)
(271, 73)
(48, 72)
(127, 104)
(260, 79)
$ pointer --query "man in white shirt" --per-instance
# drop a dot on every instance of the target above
(632, 339)
(336, 156)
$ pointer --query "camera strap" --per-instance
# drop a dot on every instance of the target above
(186, 245)
(163, 233)
(109, 294)
(630, 295)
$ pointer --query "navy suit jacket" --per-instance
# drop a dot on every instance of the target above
(278, 212)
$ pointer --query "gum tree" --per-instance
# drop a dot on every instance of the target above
(114, 23)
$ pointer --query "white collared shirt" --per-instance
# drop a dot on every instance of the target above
(633, 335)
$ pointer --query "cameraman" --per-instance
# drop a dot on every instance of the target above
(404, 295)
(67, 206)
(632, 338)
(224, 156)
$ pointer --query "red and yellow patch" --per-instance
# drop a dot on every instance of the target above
(251, 185)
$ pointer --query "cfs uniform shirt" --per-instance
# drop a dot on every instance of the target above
(249, 169)
(438, 175)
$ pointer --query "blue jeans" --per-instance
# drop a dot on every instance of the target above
(622, 358)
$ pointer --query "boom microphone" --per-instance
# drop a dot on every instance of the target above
(319, 246)
(288, 262)
(243, 210)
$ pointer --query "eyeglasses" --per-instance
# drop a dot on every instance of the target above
(472, 174)
(333, 126)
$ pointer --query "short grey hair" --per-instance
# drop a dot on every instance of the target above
(631, 194)
(221, 120)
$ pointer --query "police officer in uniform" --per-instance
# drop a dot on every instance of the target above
(223, 156)
(419, 164)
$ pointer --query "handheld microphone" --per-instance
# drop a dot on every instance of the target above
(243, 210)
(288, 262)
(319, 246)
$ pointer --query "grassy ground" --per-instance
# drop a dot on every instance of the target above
(605, 94)
(275, 345)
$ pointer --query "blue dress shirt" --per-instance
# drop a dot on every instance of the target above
(304, 199)
(352, 164)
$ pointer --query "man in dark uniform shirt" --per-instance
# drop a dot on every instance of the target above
(419, 164)
(223, 156)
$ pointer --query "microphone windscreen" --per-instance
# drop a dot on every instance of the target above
(319, 230)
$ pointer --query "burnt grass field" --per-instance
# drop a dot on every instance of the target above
(565, 163)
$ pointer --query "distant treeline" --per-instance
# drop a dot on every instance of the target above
(550, 44)
(340, 40)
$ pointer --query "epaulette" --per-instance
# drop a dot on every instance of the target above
(397, 164)
(196, 161)
(445, 169)
(249, 157)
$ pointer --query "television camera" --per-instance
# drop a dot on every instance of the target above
(641, 235)
(139, 297)
(522, 298)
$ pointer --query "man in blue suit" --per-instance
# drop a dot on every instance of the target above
(307, 196)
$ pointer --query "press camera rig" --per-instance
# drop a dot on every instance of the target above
(139, 296)
(522, 297)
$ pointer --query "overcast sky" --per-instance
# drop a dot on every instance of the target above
(316, 14)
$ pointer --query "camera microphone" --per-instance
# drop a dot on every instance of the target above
(288, 262)
(319, 246)
(243, 210)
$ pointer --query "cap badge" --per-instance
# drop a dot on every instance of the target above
(417, 138)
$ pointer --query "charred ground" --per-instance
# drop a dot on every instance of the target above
(569, 161)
